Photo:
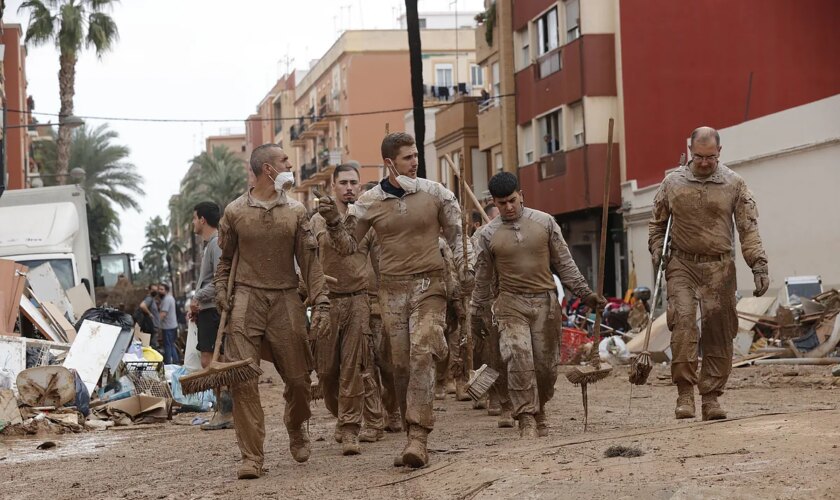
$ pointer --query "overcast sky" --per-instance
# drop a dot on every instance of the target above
(195, 59)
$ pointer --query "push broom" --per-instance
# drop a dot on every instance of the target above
(642, 364)
(596, 370)
(219, 374)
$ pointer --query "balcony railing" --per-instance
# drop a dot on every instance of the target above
(308, 170)
(550, 62)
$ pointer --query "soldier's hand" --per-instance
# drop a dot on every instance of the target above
(321, 320)
(762, 283)
(468, 281)
(328, 210)
(222, 300)
(656, 257)
(594, 301)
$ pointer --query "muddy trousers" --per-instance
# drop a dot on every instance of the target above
(382, 357)
(413, 314)
(528, 344)
(453, 364)
(486, 351)
(278, 318)
(341, 357)
(710, 286)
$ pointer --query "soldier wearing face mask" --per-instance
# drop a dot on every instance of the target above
(408, 214)
(270, 231)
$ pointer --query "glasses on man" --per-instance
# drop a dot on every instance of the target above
(701, 158)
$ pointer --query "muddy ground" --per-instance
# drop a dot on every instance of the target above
(781, 441)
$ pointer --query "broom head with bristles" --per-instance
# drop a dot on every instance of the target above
(589, 374)
(481, 381)
(220, 374)
(640, 368)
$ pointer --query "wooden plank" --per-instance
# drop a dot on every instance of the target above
(55, 314)
(45, 284)
(752, 307)
(80, 300)
(748, 360)
(14, 301)
(33, 314)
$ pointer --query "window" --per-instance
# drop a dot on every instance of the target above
(577, 124)
(572, 20)
(552, 133)
(526, 144)
(498, 162)
(547, 38)
(523, 47)
(476, 75)
(422, 22)
(497, 85)
(550, 63)
(443, 75)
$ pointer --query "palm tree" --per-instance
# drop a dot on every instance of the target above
(70, 24)
(110, 180)
(218, 176)
(159, 247)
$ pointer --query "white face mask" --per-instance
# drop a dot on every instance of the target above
(284, 180)
(407, 184)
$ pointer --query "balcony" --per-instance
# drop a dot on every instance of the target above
(489, 126)
(307, 171)
(295, 135)
(484, 50)
(550, 62)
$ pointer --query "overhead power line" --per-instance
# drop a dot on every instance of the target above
(241, 120)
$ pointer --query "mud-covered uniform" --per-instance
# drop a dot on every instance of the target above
(412, 294)
(520, 253)
(344, 356)
(266, 307)
(701, 268)
(452, 363)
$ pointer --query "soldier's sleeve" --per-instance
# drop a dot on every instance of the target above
(228, 244)
(659, 221)
(746, 220)
(485, 274)
(346, 236)
(449, 217)
(561, 260)
(306, 253)
(374, 251)
(319, 229)
(453, 288)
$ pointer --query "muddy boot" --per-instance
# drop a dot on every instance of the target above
(299, 444)
(542, 424)
(461, 390)
(250, 470)
(369, 435)
(414, 455)
(440, 391)
(394, 422)
(481, 404)
(338, 434)
(527, 426)
(223, 418)
(685, 401)
(505, 419)
(350, 440)
(398, 461)
(450, 386)
(711, 408)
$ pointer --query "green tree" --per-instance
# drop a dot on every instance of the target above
(159, 249)
(72, 25)
(218, 176)
(110, 180)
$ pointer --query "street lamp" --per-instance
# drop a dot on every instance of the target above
(70, 121)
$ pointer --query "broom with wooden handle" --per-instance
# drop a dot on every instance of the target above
(596, 370)
(219, 374)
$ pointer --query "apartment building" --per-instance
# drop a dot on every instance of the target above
(16, 104)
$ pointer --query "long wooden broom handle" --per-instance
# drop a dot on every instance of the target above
(602, 254)
(223, 320)
(469, 191)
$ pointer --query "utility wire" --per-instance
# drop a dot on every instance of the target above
(240, 120)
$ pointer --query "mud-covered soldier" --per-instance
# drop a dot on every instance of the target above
(381, 342)
(270, 231)
(408, 214)
(520, 247)
(344, 354)
(451, 376)
(203, 309)
(703, 198)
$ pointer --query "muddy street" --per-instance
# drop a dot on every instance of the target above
(781, 441)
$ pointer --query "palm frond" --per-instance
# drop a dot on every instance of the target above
(102, 32)
(72, 29)
(41, 27)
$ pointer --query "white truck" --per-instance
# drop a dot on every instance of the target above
(48, 224)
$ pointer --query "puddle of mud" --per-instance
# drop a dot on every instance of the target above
(15, 450)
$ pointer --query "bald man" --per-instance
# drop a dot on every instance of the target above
(703, 198)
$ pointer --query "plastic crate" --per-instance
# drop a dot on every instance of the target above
(570, 342)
